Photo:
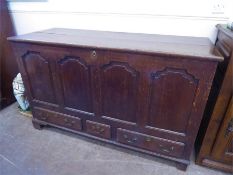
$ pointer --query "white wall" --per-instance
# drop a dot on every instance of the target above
(172, 17)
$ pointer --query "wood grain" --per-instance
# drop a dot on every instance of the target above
(213, 146)
(116, 90)
(197, 47)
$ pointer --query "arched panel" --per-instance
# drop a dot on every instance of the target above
(74, 75)
(172, 93)
(40, 78)
(119, 91)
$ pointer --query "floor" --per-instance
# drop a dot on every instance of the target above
(27, 151)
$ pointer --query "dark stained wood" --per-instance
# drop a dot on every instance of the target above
(115, 87)
(200, 47)
(119, 88)
(8, 65)
(160, 145)
(181, 166)
(39, 73)
(214, 143)
(176, 81)
(60, 119)
(75, 80)
(37, 125)
(98, 129)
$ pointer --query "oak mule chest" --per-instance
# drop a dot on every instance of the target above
(142, 92)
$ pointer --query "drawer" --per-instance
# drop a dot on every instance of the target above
(150, 143)
(97, 129)
(59, 119)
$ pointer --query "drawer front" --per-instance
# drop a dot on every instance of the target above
(150, 143)
(97, 129)
(59, 119)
